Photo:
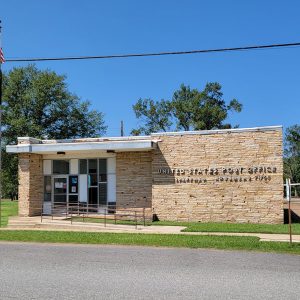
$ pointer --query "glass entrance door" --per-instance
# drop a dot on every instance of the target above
(60, 184)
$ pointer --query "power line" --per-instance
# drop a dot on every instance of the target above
(256, 47)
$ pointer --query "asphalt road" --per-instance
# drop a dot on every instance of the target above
(47, 271)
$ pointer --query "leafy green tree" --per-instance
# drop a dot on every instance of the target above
(10, 175)
(211, 110)
(292, 154)
(184, 104)
(292, 141)
(154, 114)
(189, 109)
(37, 103)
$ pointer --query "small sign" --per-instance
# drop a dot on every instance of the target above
(59, 185)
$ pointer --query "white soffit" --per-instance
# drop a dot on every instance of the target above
(141, 145)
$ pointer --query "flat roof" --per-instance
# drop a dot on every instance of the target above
(48, 148)
(128, 143)
(219, 131)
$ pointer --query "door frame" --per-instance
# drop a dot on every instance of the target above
(67, 188)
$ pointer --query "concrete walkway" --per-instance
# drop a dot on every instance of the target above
(34, 223)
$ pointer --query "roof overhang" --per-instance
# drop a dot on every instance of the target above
(117, 146)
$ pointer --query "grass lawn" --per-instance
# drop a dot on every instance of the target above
(8, 208)
(208, 227)
(159, 240)
(230, 227)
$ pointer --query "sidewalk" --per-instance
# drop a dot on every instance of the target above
(34, 223)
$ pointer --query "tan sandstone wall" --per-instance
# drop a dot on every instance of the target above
(227, 177)
(134, 179)
(30, 184)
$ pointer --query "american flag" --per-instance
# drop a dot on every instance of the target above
(2, 59)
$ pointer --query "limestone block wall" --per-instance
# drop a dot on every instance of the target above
(219, 177)
(30, 184)
(134, 179)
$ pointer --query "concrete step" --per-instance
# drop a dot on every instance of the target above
(66, 225)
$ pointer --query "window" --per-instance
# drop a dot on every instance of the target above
(102, 193)
(92, 181)
(82, 166)
(73, 189)
(102, 181)
(92, 166)
(61, 167)
(102, 170)
(73, 184)
(47, 188)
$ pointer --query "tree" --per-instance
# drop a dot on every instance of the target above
(154, 114)
(37, 103)
(189, 109)
(292, 141)
(184, 103)
(10, 175)
(292, 154)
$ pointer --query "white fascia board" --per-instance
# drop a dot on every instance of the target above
(92, 146)
(18, 149)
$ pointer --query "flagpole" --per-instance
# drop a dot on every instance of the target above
(0, 129)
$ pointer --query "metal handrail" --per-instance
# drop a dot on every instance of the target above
(294, 191)
(68, 210)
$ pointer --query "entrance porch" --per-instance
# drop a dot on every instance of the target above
(88, 174)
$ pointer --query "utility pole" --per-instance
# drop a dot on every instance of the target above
(122, 128)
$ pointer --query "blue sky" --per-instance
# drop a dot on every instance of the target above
(266, 82)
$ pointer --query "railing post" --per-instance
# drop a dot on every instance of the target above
(135, 219)
(289, 196)
(105, 211)
(144, 216)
